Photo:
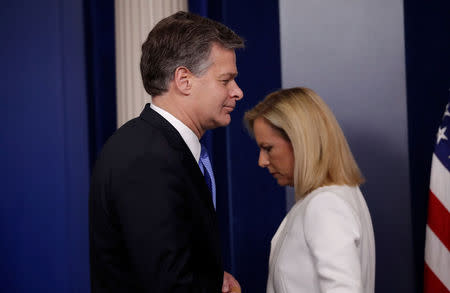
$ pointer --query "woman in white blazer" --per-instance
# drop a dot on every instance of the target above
(326, 241)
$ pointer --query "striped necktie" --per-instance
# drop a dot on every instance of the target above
(206, 168)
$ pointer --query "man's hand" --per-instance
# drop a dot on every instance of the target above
(230, 285)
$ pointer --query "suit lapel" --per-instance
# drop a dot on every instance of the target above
(177, 142)
(202, 191)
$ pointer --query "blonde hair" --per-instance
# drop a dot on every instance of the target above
(321, 152)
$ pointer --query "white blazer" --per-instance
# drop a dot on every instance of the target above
(324, 244)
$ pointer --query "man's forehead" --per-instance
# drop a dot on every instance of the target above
(223, 62)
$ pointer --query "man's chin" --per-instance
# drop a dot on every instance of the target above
(216, 124)
(224, 121)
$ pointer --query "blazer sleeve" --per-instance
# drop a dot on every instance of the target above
(156, 221)
(332, 233)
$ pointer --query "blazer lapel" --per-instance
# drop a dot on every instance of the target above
(277, 242)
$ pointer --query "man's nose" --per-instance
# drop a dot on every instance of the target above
(236, 92)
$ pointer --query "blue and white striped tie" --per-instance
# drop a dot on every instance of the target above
(206, 168)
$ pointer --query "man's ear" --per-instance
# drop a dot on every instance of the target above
(183, 80)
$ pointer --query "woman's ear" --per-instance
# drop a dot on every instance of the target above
(182, 79)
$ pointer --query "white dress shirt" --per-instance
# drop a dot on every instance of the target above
(186, 133)
(325, 244)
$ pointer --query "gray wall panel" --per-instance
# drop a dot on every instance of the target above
(352, 54)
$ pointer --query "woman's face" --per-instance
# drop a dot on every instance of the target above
(276, 153)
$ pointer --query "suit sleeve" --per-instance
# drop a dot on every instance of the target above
(156, 222)
(332, 233)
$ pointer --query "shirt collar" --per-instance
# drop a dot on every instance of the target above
(186, 133)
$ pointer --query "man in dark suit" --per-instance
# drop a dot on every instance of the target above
(152, 217)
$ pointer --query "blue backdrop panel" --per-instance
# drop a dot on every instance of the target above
(258, 204)
(427, 42)
(101, 73)
(43, 148)
(76, 144)
(250, 204)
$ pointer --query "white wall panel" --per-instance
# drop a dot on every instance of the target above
(134, 20)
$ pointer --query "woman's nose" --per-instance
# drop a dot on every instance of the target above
(263, 161)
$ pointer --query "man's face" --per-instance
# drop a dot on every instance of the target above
(215, 92)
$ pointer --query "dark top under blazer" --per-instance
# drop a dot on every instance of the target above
(152, 222)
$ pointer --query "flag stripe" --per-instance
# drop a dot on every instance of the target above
(431, 283)
(437, 242)
(437, 257)
(440, 182)
(439, 219)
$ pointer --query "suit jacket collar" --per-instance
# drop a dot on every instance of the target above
(176, 141)
(151, 116)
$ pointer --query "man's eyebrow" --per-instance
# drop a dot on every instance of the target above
(229, 75)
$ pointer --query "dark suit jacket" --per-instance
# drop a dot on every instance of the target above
(151, 218)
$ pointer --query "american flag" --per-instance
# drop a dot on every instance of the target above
(437, 244)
